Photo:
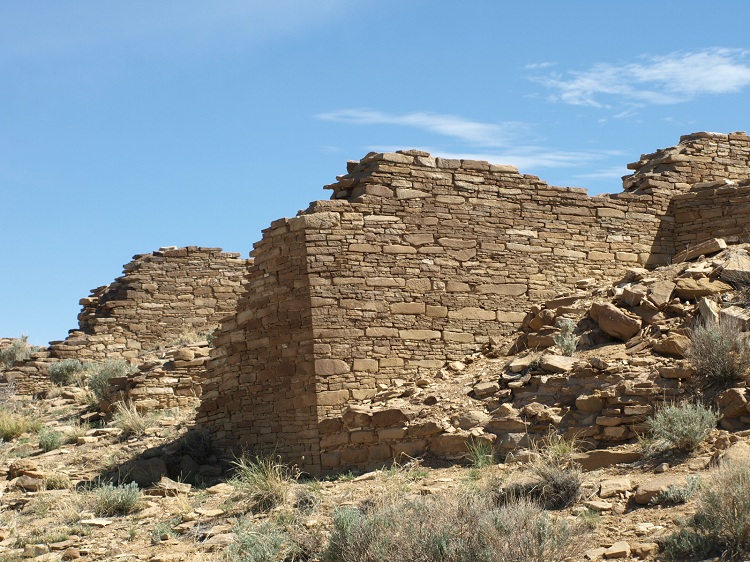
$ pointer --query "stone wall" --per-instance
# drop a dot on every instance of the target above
(160, 296)
(417, 261)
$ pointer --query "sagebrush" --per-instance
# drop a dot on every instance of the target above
(719, 351)
(465, 527)
(681, 426)
(721, 524)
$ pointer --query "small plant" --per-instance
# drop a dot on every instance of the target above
(590, 519)
(681, 427)
(161, 532)
(98, 380)
(49, 439)
(719, 351)
(566, 339)
(721, 524)
(265, 481)
(57, 481)
(556, 479)
(130, 420)
(117, 500)
(13, 424)
(677, 495)
(263, 543)
(480, 453)
(67, 372)
(18, 350)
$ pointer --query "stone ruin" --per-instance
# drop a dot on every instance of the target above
(160, 297)
(418, 261)
(353, 316)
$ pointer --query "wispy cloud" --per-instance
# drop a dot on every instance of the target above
(474, 132)
(504, 143)
(606, 173)
(667, 79)
(539, 65)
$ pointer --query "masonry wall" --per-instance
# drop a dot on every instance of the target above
(259, 390)
(416, 261)
(160, 296)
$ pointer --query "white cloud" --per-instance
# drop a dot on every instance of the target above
(539, 65)
(668, 79)
(474, 132)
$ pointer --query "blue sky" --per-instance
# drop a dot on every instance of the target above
(126, 126)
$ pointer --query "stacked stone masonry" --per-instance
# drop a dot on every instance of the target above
(417, 260)
(161, 296)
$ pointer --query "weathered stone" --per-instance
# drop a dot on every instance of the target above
(603, 458)
(484, 389)
(556, 363)
(620, 549)
(703, 249)
(614, 321)
(675, 345)
(615, 486)
(689, 288)
(651, 488)
(660, 293)
(736, 269)
(589, 403)
(732, 403)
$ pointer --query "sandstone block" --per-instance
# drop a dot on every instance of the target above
(328, 367)
(419, 334)
(689, 288)
(614, 321)
(703, 249)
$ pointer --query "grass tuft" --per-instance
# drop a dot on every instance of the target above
(265, 481)
(117, 500)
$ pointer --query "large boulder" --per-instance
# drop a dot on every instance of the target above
(615, 321)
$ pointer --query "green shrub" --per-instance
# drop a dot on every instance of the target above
(721, 524)
(67, 372)
(681, 426)
(566, 339)
(13, 424)
(450, 528)
(18, 350)
(117, 500)
(98, 380)
(265, 481)
(49, 439)
(719, 351)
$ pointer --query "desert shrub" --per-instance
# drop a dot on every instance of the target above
(721, 524)
(117, 500)
(263, 542)
(556, 479)
(264, 481)
(133, 422)
(719, 351)
(566, 339)
(57, 481)
(449, 528)
(480, 453)
(18, 350)
(67, 372)
(49, 439)
(98, 380)
(13, 424)
(681, 427)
